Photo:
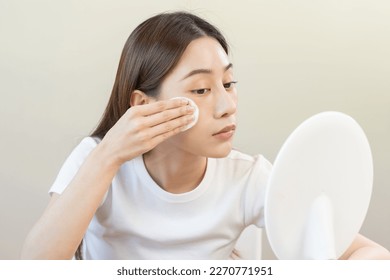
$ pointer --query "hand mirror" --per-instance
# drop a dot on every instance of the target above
(319, 189)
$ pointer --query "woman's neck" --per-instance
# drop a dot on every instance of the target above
(175, 171)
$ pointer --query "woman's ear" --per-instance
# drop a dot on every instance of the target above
(138, 98)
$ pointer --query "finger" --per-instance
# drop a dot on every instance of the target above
(167, 134)
(160, 106)
(168, 115)
(176, 125)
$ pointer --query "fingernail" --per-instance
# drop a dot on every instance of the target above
(190, 118)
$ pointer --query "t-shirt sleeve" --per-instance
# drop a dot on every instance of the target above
(72, 164)
(255, 196)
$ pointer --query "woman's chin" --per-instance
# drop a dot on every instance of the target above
(220, 153)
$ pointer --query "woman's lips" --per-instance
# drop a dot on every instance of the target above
(226, 133)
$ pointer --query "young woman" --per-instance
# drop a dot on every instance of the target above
(140, 187)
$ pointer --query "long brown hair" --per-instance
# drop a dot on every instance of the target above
(152, 50)
(150, 53)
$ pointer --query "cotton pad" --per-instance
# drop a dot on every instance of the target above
(196, 112)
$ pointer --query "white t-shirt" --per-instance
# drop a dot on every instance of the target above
(139, 220)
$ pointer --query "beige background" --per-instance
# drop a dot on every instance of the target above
(292, 58)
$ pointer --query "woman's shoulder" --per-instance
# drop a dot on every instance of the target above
(86, 144)
(72, 163)
(90, 141)
(81, 150)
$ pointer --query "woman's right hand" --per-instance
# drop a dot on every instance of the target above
(143, 127)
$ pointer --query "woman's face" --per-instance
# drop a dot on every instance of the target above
(205, 75)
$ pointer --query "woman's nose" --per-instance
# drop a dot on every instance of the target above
(226, 103)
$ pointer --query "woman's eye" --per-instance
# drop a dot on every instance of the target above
(200, 91)
(229, 85)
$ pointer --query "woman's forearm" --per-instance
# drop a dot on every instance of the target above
(62, 226)
(363, 248)
(370, 253)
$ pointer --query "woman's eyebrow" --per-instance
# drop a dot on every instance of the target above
(205, 71)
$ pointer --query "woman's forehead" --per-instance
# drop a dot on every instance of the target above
(203, 55)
